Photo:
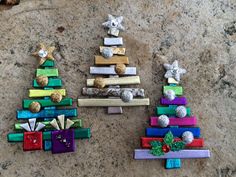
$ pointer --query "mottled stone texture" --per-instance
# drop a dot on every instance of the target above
(200, 34)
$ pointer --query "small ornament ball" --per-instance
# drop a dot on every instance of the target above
(126, 96)
(170, 94)
(56, 97)
(107, 52)
(120, 68)
(187, 137)
(42, 81)
(35, 107)
(99, 82)
(163, 121)
(181, 111)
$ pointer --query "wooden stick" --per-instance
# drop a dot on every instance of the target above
(145, 142)
(47, 72)
(142, 154)
(177, 132)
(46, 113)
(114, 92)
(113, 41)
(117, 81)
(48, 102)
(43, 93)
(170, 111)
(177, 89)
(115, 50)
(111, 71)
(112, 102)
(186, 121)
(100, 60)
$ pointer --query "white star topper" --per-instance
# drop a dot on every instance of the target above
(174, 71)
(114, 25)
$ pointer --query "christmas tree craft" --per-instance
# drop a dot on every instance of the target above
(113, 63)
(173, 131)
(41, 124)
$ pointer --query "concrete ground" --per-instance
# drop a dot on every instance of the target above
(200, 34)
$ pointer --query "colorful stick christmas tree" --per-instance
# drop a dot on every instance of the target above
(47, 127)
(114, 57)
(174, 130)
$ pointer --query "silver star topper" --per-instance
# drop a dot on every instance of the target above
(114, 25)
(174, 71)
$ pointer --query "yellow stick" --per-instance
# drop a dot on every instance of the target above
(43, 93)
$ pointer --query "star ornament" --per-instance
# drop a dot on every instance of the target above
(114, 25)
(174, 71)
(44, 53)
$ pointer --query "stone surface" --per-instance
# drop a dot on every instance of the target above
(200, 34)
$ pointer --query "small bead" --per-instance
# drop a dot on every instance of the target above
(170, 94)
(165, 148)
(42, 81)
(99, 82)
(126, 96)
(120, 68)
(187, 137)
(181, 111)
(56, 97)
(107, 52)
(163, 121)
(34, 107)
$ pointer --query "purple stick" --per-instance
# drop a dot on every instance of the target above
(141, 154)
(176, 101)
(186, 121)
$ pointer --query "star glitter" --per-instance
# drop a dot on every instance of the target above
(114, 25)
(44, 53)
(174, 71)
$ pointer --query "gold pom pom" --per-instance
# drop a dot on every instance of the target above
(34, 107)
(120, 68)
(99, 82)
(56, 97)
(42, 81)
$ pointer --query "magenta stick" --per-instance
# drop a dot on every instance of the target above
(176, 101)
(142, 154)
(186, 121)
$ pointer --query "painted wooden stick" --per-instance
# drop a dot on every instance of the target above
(47, 72)
(48, 102)
(48, 63)
(145, 142)
(177, 89)
(170, 111)
(51, 83)
(142, 154)
(176, 101)
(100, 60)
(186, 121)
(113, 41)
(47, 113)
(111, 71)
(115, 50)
(177, 132)
(114, 92)
(112, 102)
(43, 93)
(117, 81)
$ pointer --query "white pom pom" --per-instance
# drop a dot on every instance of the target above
(163, 121)
(187, 137)
(181, 111)
(107, 52)
(126, 96)
(170, 94)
